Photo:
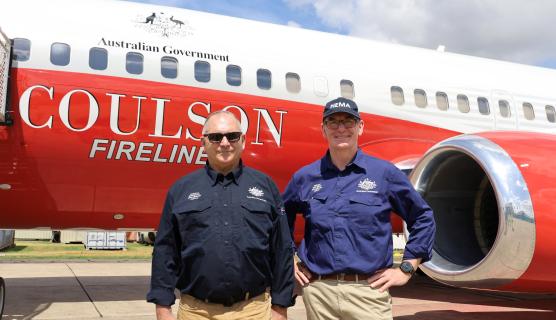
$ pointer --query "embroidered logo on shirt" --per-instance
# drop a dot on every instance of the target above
(256, 192)
(194, 196)
(316, 187)
(366, 185)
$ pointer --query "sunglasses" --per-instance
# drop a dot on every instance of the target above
(348, 123)
(217, 137)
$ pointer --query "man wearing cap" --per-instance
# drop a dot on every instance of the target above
(223, 239)
(346, 197)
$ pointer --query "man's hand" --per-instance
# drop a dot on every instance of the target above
(302, 274)
(386, 278)
(164, 313)
(392, 277)
(279, 313)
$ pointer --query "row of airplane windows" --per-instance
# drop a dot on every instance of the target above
(60, 54)
(442, 103)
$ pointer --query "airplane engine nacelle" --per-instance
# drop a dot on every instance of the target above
(494, 201)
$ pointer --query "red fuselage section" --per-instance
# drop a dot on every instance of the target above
(100, 152)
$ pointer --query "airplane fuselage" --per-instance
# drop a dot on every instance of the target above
(106, 101)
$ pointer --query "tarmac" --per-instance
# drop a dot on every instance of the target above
(116, 290)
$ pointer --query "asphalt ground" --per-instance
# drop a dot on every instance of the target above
(116, 290)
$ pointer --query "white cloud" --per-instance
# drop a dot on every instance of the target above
(335, 13)
(512, 30)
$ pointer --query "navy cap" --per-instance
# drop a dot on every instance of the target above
(341, 105)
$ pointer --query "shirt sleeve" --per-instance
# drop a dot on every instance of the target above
(416, 213)
(165, 262)
(281, 259)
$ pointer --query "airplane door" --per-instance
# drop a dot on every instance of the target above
(504, 110)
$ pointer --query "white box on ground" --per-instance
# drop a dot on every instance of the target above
(106, 240)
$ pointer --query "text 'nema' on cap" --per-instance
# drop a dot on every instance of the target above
(341, 105)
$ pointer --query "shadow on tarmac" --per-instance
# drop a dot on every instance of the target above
(423, 298)
(123, 297)
(27, 298)
(453, 315)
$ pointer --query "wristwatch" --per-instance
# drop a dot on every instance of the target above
(407, 267)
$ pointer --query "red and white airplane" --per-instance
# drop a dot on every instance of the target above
(106, 99)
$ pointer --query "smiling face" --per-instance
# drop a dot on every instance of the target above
(335, 129)
(223, 157)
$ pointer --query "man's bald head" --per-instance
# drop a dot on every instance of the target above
(221, 113)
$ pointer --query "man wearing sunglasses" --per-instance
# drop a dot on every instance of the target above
(223, 239)
(345, 259)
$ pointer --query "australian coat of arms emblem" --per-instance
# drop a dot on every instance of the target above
(164, 24)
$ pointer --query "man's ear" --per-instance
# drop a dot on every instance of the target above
(361, 126)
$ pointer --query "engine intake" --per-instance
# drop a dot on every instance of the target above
(483, 211)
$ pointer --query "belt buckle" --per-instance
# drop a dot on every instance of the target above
(341, 276)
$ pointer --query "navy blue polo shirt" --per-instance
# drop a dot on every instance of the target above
(347, 215)
(221, 237)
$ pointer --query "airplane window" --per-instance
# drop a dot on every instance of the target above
(169, 67)
(346, 88)
(528, 111)
(504, 107)
(202, 71)
(463, 103)
(98, 58)
(264, 79)
(21, 49)
(60, 54)
(320, 86)
(420, 98)
(550, 114)
(233, 75)
(293, 82)
(442, 101)
(483, 105)
(397, 95)
(134, 62)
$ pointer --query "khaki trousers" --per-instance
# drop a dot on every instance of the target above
(257, 308)
(345, 300)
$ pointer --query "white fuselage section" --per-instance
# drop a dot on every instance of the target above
(320, 60)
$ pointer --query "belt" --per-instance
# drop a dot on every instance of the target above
(342, 277)
(229, 301)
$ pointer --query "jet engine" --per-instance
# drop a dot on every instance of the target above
(493, 196)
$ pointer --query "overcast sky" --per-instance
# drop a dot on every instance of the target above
(513, 30)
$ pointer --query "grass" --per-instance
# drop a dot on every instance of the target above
(44, 250)
(25, 250)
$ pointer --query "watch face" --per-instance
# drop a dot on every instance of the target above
(406, 267)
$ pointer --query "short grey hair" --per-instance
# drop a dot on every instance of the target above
(220, 112)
